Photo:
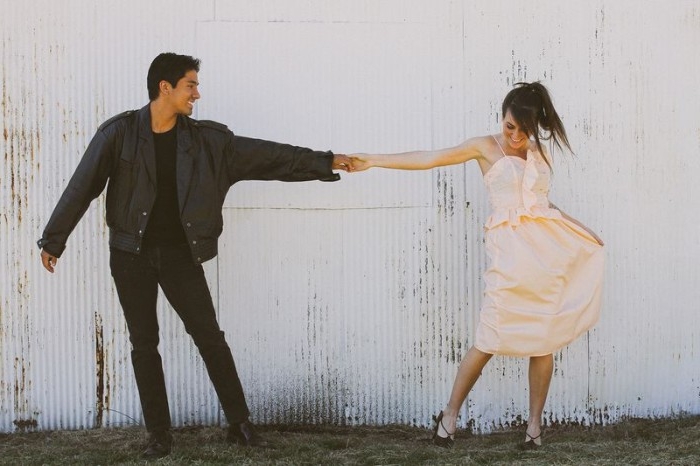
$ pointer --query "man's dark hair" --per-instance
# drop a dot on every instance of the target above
(170, 67)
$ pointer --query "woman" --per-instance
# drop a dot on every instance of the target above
(545, 269)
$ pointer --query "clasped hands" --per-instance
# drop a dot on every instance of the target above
(350, 163)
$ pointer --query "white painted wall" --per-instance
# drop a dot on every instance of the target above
(352, 302)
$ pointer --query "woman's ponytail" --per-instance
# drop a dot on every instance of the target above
(531, 106)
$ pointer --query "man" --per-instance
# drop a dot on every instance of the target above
(168, 177)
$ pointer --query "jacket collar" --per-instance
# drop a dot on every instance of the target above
(184, 137)
(145, 149)
(185, 158)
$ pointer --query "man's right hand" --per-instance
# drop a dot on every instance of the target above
(48, 260)
(341, 162)
(358, 162)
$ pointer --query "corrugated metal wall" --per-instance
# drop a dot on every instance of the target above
(352, 302)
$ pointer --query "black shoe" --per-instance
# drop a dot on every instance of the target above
(530, 442)
(244, 434)
(159, 445)
(444, 442)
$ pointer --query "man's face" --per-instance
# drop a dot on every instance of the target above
(184, 94)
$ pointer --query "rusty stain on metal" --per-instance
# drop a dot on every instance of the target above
(25, 424)
(20, 400)
(99, 371)
(445, 187)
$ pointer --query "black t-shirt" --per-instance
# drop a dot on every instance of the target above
(164, 227)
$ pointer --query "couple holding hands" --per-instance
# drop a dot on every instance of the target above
(167, 176)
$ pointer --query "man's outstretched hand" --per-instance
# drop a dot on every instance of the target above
(359, 162)
(341, 162)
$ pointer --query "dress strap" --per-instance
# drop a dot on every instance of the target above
(499, 146)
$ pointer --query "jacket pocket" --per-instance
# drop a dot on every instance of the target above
(120, 191)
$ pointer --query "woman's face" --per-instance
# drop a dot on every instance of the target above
(513, 134)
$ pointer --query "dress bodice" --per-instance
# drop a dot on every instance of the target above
(518, 188)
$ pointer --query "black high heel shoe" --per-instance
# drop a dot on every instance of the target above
(444, 442)
(530, 442)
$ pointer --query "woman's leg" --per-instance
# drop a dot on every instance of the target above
(467, 375)
(540, 375)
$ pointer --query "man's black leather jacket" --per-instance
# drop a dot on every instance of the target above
(210, 159)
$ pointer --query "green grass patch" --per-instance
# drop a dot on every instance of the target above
(632, 442)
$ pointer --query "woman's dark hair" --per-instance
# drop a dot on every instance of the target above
(532, 108)
(170, 67)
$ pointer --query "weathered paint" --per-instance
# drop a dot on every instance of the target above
(353, 302)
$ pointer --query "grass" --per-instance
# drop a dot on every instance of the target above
(632, 442)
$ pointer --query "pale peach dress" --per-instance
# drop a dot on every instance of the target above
(544, 274)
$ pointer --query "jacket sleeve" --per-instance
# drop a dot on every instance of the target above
(257, 159)
(86, 184)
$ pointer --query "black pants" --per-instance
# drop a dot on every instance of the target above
(137, 278)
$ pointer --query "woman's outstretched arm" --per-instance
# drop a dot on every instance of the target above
(419, 160)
